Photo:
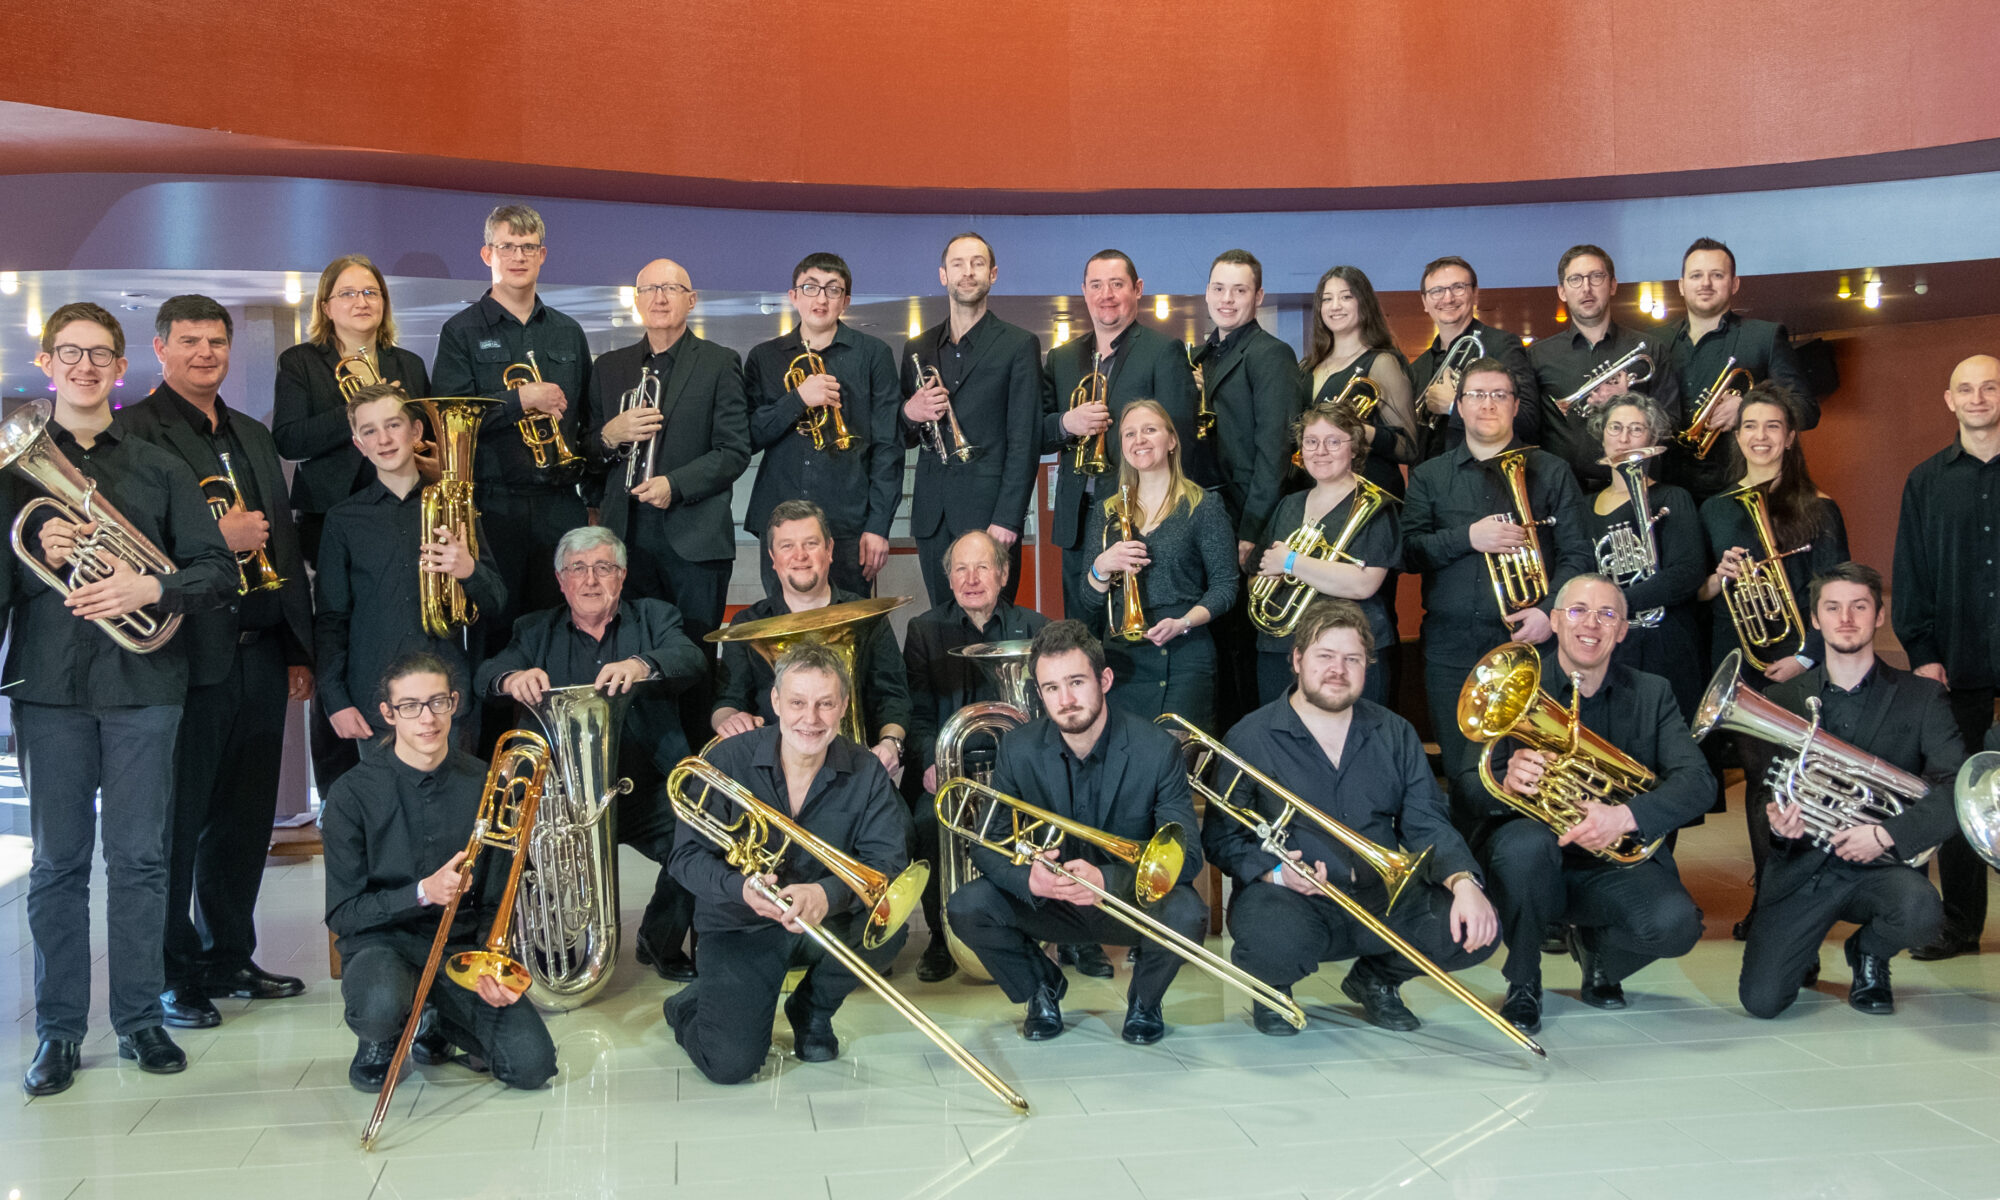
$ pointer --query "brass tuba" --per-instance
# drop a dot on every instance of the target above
(840, 626)
(454, 422)
(1520, 577)
(251, 564)
(933, 431)
(1760, 600)
(1503, 697)
(1278, 617)
(1131, 625)
(1834, 785)
(804, 366)
(26, 447)
(639, 458)
(566, 913)
(541, 433)
(1087, 455)
(1629, 554)
(1700, 434)
(1977, 801)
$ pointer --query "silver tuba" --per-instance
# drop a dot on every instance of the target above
(639, 456)
(1977, 799)
(1006, 667)
(1630, 554)
(26, 447)
(1834, 785)
(566, 911)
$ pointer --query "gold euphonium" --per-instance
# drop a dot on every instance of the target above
(541, 433)
(454, 422)
(1700, 435)
(254, 572)
(1131, 625)
(25, 446)
(1520, 577)
(1759, 599)
(1503, 697)
(1087, 455)
(1278, 617)
(804, 366)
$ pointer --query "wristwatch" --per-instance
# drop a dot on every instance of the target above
(890, 737)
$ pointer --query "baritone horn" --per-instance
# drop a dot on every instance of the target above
(1087, 456)
(1520, 576)
(1630, 554)
(254, 572)
(934, 431)
(804, 366)
(26, 447)
(1278, 616)
(541, 433)
(1700, 435)
(1760, 600)
(1132, 624)
(454, 422)
(1635, 364)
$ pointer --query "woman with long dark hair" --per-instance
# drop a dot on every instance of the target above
(1348, 337)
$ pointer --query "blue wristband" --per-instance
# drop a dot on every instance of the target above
(1096, 576)
(1291, 560)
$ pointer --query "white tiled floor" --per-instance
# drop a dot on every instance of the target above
(1679, 1095)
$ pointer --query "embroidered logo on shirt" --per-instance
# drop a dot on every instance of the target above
(490, 344)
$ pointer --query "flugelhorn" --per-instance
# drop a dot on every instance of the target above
(1278, 601)
(1520, 576)
(1462, 351)
(1700, 434)
(1131, 625)
(1630, 554)
(638, 456)
(25, 446)
(806, 364)
(1087, 455)
(1635, 364)
(1976, 798)
(934, 431)
(1503, 697)
(353, 373)
(454, 422)
(1396, 868)
(1032, 832)
(755, 840)
(254, 572)
(1204, 404)
(843, 627)
(1760, 600)
(541, 433)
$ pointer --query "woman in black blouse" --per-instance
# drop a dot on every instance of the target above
(1349, 337)
(1184, 551)
(1662, 634)
(1330, 438)
(351, 315)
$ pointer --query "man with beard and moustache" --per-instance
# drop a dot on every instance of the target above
(1620, 917)
(1859, 875)
(1450, 290)
(990, 376)
(1586, 284)
(1364, 766)
(1945, 615)
(1104, 768)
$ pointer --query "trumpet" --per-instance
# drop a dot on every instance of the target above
(1034, 831)
(1087, 456)
(1132, 623)
(638, 458)
(1503, 697)
(250, 564)
(1699, 437)
(353, 373)
(1464, 350)
(1395, 867)
(813, 425)
(1760, 600)
(506, 819)
(454, 422)
(1630, 554)
(1204, 405)
(747, 843)
(26, 447)
(1279, 617)
(1520, 577)
(934, 432)
(1635, 364)
(541, 433)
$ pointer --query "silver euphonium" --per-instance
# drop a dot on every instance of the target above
(1006, 668)
(1834, 785)
(639, 455)
(1629, 553)
(566, 911)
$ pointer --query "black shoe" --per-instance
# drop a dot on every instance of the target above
(154, 1051)
(370, 1068)
(186, 1008)
(674, 968)
(53, 1068)
(1380, 1002)
(1741, 930)
(1869, 992)
(1088, 959)
(1598, 989)
(255, 983)
(1270, 1022)
(1811, 977)
(1945, 947)
(1132, 958)
(1523, 1007)
(1143, 1025)
(937, 963)
(812, 1031)
(1555, 939)
(430, 1047)
(1044, 1019)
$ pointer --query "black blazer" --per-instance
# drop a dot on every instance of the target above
(211, 634)
(704, 442)
(999, 405)
(1149, 365)
(1502, 344)
(309, 421)
(1256, 389)
(858, 488)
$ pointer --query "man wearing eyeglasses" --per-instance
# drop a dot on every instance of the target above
(1586, 284)
(1620, 917)
(1450, 290)
(613, 644)
(858, 487)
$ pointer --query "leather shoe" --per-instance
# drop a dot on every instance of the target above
(1741, 930)
(1088, 959)
(255, 983)
(1811, 977)
(1555, 938)
(1270, 1022)
(1044, 1019)
(1523, 1007)
(53, 1068)
(1945, 947)
(1380, 1002)
(430, 1047)
(1597, 990)
(370, 1068)
(186, 1008)
(1869, 992)
(937, 964)
(674, 968)
(813, 1039)
(154, 1051)
(1143, 1025)
(1132, 958)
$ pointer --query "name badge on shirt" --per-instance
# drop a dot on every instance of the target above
(490, 344)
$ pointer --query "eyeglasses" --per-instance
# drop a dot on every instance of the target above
(70, 355)
(410, 710)
(1450, 289)
(668, 290)
(600, 570)
(1484, 397)
(1579, 279)
(1578, 614)
(516, 249)
(1621, 429)
(1329, 444)
(350, 295)
(833, 290)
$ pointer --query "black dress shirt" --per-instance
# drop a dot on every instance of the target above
(58, 658)
(1383, 790)
(1378, 543)
(744, 680)
(1193, 560)
(1947, 587)
(859, 487)
(851, 806)
(994, 375)
(1448, 495)
(1500, 344)
(1727, 524)
(475, 348)
(1253, 382)
(941, 682)
(309, 420)
(1388, 446)
(1563, 362)
(388, 825)
(1690, 367)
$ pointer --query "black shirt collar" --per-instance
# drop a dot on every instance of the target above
(1868, 681)
(1365, 715)
(411, 776)
(972, 335)
(610, 627)
(1117, 343)
(110, 435)
(842, 336)
(839, 756)
(1461, 454)
(1223, 342)
(956, 611)
(1099, 752)
(197, 420)
(496, 313)
(1439, 345)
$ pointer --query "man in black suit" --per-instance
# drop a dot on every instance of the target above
(1450, 290)
(246, 660)
(676, 525)
(1137, 363)
(1104, 768)
(1808, 883)
(990, 376)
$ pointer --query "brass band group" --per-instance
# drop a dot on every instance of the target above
(500, 579)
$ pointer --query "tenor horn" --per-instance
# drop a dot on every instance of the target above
(1278, 617)
(1630, 554)
(1520, 576)
(1760, 600)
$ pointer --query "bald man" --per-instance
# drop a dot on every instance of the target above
(676, 525)
(1945, 613)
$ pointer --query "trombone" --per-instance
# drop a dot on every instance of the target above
(541, 433)
(1760, 600)
(747, 844)
(251, 564)
(1087, 456)
(1457, 356)
(1132, 623)
(933, 431)
(1279, 617)
(1395, 867)
(813, 425)
(1628, 364)
(1520, 577)
(1034, 831)
(1699, 437)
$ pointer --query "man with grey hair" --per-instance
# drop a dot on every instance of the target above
(600, 639)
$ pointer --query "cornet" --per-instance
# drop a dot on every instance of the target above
(1520, 577)
(353, 373)
(1760, 600)
(1635, 364)
(250, 564)
(1630, 554)
(541, 433)
(1456, 357)
(813, 425)
(1132, 623)
(1087, 457)
(1278, 617)
(1204, 407)
(639, 458)
(1699, 437)
(934, 431)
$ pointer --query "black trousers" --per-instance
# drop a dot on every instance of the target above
(1179, 677)
(1629, 916)
(1961, 872)
(378, 980)
(645, 822)
(700, 590)
(1894, 905)
(724, 1018)
(1442, 683)
(1282, 936)
(1007, 933)
(225, 795)
(522, 530)
(937, 584)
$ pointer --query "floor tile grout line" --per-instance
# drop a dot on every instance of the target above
(1927, 1105)
(1900, 1169)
